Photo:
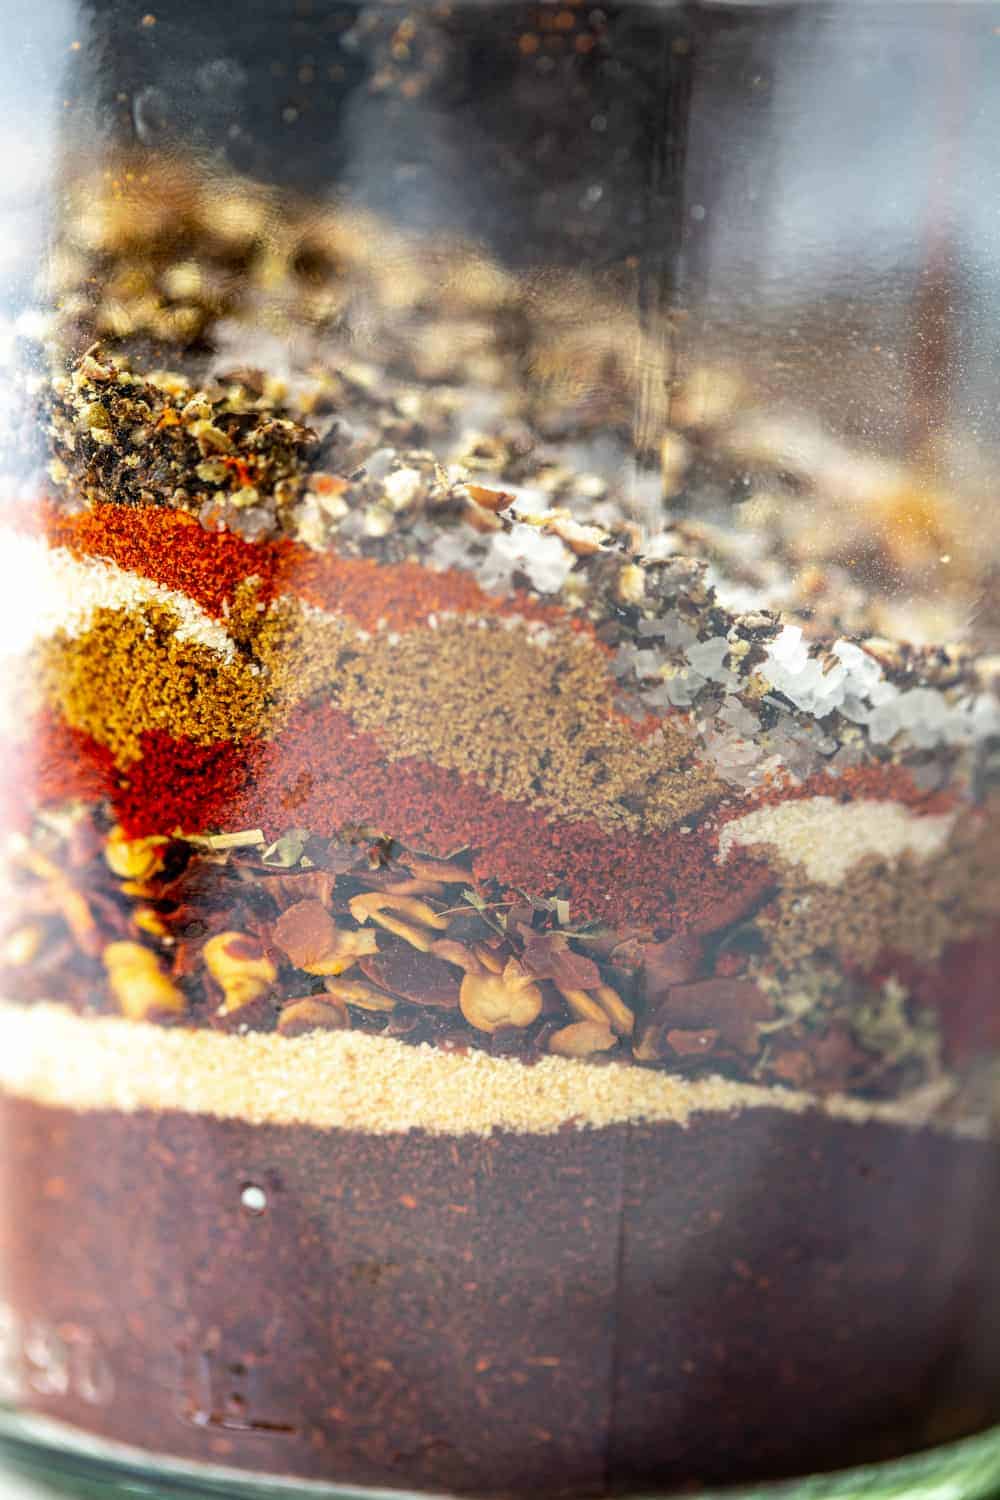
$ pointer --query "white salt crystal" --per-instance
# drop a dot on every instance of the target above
(543, 559)
(708, 656)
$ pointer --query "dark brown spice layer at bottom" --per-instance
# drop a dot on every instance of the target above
(760, 1294)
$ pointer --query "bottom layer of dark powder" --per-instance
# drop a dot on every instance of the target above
(760, 1294)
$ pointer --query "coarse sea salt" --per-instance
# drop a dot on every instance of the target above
(707, 659)
(857, 688)
(544, 560)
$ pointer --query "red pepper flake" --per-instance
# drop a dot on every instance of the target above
(676, 961)
(729, 963)
(734, 1006)
(692, 1043)
(242, 468)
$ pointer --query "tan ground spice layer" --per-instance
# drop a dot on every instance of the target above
(351, 1080)
(910, 906)
(528, 716)
(530, 721)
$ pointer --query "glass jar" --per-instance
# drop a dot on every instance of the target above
(500, 799)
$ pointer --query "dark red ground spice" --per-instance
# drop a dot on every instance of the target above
(322, 774)
(400, 594)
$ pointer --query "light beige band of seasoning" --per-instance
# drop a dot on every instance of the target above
(48, 591)
(825, 838)
(355, 1081)
(905, 898)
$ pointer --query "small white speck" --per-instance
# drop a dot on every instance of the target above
(698, 211)
(253, 1198)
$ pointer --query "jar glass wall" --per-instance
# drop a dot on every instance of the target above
(500, 869)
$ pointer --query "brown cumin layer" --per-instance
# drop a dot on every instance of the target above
(529, 715)
(758, 1295)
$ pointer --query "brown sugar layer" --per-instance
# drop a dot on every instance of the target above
(512, 1314)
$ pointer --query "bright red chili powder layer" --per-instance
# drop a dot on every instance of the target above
(56, 764)
(174, 550)
(321, 773)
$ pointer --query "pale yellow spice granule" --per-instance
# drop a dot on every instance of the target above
(825, 838)
(351, 1080)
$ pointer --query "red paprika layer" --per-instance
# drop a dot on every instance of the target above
(174, 550)
(877, 782)
(322, 773)
(171, 548)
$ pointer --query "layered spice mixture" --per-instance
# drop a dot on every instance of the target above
(338, 711)
(369, 686)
